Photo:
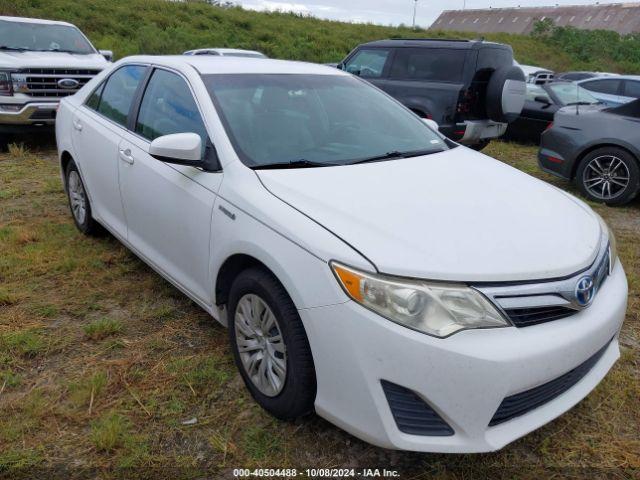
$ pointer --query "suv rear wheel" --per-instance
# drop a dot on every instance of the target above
(610, 175)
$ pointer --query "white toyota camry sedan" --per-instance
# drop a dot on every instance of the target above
(418, 294)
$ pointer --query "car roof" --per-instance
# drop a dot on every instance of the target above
(35, 20)
(211, 64)
(227, 51)
(611, 77)
(459, 44)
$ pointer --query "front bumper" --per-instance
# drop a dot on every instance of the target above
(464, 378)
(28, 114)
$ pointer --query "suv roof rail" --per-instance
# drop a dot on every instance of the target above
(433, 40)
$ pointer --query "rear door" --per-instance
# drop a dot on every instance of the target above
(428, 81)
(98, 127)
(630, 90)
(169, 207)
(607, 90)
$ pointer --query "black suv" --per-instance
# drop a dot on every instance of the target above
(470, 88)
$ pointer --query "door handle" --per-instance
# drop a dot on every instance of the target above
(125, 156)
(77, 125)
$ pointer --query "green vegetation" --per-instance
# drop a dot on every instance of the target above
(160, 27)
(599, 50)
(103, 328)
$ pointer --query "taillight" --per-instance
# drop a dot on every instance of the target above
(6, 88)
(467, 99)
(549, 126)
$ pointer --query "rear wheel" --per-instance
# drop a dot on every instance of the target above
(480, 145)
(79, 202)
(610, 175)
(270, 346)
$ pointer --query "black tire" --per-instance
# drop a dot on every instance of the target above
(587, 177)
(480, 145)
(5, 140)
(500, 87)
(86, 224)
(297, 396)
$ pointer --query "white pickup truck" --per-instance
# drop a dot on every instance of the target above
(41, 61)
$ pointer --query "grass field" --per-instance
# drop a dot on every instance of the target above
(105, 366)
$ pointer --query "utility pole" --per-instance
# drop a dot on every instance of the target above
(415, 9)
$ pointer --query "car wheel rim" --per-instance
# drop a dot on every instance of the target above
(606, 177)
(77, 197)
(260, 345)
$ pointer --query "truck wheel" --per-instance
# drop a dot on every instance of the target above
(79, 202)
(480, 145)
(506, 94)
(270, 346)
(4, 142)
(610, 175)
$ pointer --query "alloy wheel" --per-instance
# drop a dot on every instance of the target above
(77, 197)
(606, 177)
(260, 345)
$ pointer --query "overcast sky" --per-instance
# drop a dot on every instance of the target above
(392, 11)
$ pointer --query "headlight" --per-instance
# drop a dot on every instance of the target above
(5, 84)
(438, 309)
(613, 245)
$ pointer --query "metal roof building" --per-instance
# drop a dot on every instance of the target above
(621, 17)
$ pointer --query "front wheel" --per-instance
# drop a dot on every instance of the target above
(270, 346)
(610, 175)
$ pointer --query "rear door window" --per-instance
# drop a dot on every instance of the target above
(118, 93)
(608, 86)
(433, 64)
(368, 63)
(632, 89)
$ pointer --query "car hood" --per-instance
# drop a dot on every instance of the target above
(18, 60)
(457, 215)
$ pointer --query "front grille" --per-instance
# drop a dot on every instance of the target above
(521, 403)
(412, 414)
(525, 317)
(43, 82)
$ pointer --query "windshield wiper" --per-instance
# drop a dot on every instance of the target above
(394, 155)
(302, 163)
(580, 103)
(14, 49)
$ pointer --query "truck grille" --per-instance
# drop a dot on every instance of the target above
(45, 82)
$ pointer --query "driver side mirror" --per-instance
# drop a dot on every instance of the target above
(182, 149)
(108, 54)
(542, 99)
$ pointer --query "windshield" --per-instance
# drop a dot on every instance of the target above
(42, 37)
(315, 120)
(570, 93)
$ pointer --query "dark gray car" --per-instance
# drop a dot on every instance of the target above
(598, 148)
